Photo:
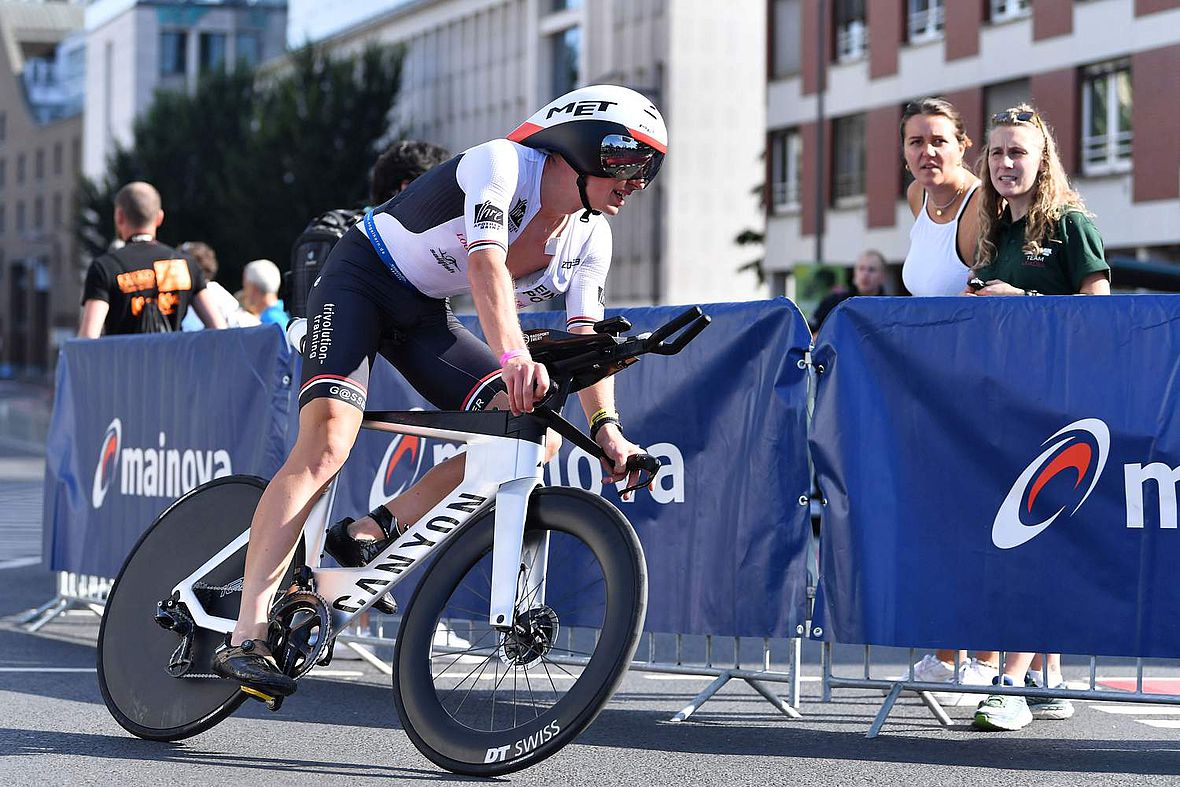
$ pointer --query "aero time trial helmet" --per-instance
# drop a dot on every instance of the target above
(605, 131)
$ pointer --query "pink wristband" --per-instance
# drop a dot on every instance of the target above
(508, 355)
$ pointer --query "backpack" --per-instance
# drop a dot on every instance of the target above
(311, 250)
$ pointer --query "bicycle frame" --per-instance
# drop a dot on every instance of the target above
(503, 464)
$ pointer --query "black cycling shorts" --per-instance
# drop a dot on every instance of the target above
(358, 309)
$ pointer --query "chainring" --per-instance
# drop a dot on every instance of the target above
(300, 631)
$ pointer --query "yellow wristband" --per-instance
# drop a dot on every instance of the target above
(600, 414)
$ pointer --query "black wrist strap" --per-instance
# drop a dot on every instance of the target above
(596, 427)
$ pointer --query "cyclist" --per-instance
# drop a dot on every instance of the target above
(500, 221)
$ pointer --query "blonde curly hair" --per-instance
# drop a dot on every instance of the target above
(1052, 196)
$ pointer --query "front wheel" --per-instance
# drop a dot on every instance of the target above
(484, 702)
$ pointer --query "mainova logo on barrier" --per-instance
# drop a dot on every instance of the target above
(1083, 448)
(405, 461)
(159, 471)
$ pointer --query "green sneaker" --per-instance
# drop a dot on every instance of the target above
(1002, 711)
(1048, 707)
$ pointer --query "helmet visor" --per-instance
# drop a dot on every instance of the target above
(625, 158)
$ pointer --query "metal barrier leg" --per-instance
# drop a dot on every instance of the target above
(826, 658)
(883, 714)
(936, 708)
(774, 699)
(33, 614)
(60, 605)
(369, 656)
(796, 665)
(702, 698)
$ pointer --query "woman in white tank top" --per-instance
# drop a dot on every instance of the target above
(946, 226)
(942, 249)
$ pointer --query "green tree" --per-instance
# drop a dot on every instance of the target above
(246, 160)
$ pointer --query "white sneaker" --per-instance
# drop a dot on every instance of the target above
(931, 669)
(447, 637)
(974, 672)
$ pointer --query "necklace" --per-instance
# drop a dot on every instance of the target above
(938, 209)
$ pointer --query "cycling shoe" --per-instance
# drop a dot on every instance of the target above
(253, 665)
(352, 553)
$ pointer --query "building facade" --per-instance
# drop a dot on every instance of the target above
(41, 53)
(475, 69)
(136, 47)
(1103, 74)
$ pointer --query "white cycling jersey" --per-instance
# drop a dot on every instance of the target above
(485, 197)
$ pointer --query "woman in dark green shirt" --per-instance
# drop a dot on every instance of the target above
(1036, 236)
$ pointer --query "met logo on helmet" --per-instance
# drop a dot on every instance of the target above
(581, 108)
(1083, 449)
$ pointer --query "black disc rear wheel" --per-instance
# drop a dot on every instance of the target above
(483, 701)
(134, 651)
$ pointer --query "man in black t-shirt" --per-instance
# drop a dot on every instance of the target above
(145, 286)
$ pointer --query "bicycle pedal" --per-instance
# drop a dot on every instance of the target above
(271, 703)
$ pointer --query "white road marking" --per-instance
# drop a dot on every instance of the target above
(337, 673)
(677, 676)
(1170, 724)
(1140, 710)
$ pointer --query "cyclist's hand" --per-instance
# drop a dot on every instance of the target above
(527, 382)
(617, 448)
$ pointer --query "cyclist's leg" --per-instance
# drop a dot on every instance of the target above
(348, 315)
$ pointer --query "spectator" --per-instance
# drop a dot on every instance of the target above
(942, 240)
(260, 292)
(1036, 237)
(226, 304)
(401, 164)
(868, 278)
(825, 280)
(942, 247)
(144, 286)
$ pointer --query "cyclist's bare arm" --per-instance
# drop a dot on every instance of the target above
(491, 289)
(94, 314)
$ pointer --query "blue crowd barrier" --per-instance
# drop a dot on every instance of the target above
(1000, 473)
(725, 533)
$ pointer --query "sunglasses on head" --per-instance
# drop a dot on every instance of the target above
(1012, 116)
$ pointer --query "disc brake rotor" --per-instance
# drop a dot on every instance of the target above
(532, 636)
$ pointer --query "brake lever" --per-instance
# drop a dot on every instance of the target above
(644, 463)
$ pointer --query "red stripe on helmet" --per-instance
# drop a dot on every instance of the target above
(524, 131)
(645, 139)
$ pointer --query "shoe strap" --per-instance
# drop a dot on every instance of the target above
(385, 520)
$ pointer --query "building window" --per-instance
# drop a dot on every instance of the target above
(848, 163)
(20, 217)
(788, 28)
(1106, 118)
(39, 165)
(173, 53)
(565, 5)
(57, 211)
(3, 125)
(786, 159)
(57, 157)
(1005, 95)
(249, 48)
(38, 213)
(566, 52)
(1003, 10)
(924, 20)
(2, 217)
(212, 51)
(852, 33)
(20, 168)
(3, 172)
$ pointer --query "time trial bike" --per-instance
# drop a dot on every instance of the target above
(549, 582)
